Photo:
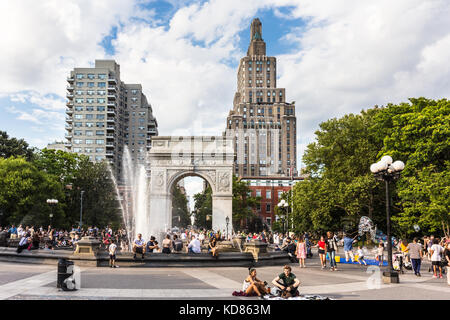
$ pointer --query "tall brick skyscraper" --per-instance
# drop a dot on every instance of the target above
(262, 122)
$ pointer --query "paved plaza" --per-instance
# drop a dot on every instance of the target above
(350, 282)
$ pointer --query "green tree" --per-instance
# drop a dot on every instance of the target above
(10, 147)
(180, 208)
(100, 204)
(24, 190)
(203, 208)
(244, 205)
(418, 133)
(340, 183)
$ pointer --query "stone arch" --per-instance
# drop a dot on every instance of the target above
(172, 158)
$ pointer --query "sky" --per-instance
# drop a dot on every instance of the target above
(334, 57)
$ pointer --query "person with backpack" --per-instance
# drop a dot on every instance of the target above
(331, 249)
(177, 244)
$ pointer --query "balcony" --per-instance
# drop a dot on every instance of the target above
(112, 80)
(68, 127)
(111, 104)
(69, 111)
(69, 95)
(69, 88)
(112, 88)
(70, 79)
(110, 145)
(68, 145)
(152, 131)
(69, 104)
(111, 111)
(112, 96)
(110, 128)
(109, 153)
(110, 119)
(69, 119)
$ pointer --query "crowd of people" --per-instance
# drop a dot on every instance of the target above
(299, 247)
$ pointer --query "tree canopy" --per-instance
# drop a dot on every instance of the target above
(341, 186)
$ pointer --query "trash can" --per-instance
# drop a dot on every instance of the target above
(65, 270)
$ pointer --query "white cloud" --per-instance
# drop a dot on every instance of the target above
(361, 54)
(349, 55)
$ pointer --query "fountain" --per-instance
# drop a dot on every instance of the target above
(136, 211)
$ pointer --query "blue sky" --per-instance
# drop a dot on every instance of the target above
(17, 115)
(334, 57)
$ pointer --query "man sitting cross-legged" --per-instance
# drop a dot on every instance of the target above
(139, 246)
(287, 282)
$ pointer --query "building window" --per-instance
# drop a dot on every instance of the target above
(100, 108)
(80, 76)
(100, 132)
(100, 141)
(258, 193)
(267, 208)
(102, 76)
(268, 194)
(101, 84)
(89, 132)
(91, 76)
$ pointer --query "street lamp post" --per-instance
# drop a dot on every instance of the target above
(227, 220)
(51, 203)
(387, 171)
(81, 209)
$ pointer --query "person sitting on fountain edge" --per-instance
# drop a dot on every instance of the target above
(194, 246)
(152, 245)
(287, 282)
(139, 246)
(213, 245)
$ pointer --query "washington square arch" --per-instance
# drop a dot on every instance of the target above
(174, 158)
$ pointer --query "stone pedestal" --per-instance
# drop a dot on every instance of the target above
(226, 246)
(257, 248)
(390, 277)
(238, 242)
(87, 246)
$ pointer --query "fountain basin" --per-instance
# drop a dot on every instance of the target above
(125, 259)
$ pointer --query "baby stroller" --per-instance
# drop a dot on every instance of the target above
(397, 261)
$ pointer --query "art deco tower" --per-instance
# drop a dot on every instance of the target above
(262, 122)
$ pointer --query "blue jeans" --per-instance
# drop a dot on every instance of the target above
(416, 265)
(332, 256)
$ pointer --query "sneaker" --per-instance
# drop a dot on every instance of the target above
(434, 276)
(440, 276)
(134, 257)
(419, 275)
(116, 266)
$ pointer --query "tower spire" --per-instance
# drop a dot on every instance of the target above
(257, 45)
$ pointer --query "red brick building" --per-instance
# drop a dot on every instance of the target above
(270, 190)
